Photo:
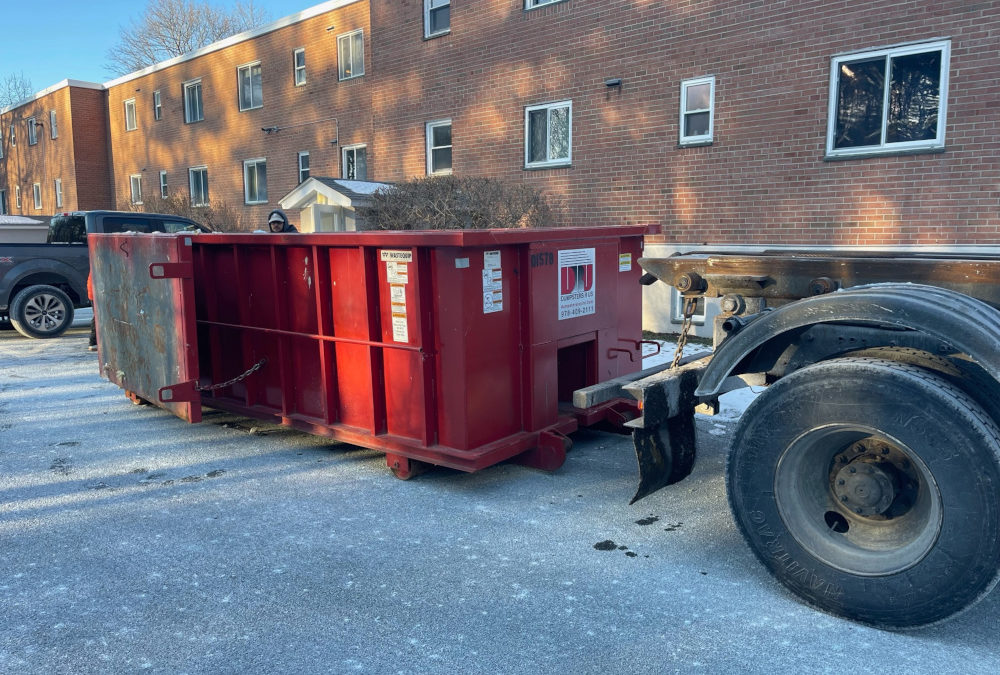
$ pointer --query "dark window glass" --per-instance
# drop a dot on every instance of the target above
(537, 123)
(696, 124)
(914, 95)
(861, 90)
(440, 19)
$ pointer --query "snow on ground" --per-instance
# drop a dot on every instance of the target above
(731, 405)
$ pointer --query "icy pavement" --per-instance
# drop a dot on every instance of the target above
(132, 541)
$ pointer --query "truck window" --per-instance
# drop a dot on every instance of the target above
(67, 230)
(114, 224)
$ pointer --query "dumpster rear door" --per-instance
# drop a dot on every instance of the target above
(144, 306)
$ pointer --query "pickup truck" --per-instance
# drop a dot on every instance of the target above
(42, 283)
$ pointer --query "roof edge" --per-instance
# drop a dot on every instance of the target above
(289, 20)
(48, 90)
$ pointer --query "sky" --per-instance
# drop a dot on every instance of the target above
(69, 39)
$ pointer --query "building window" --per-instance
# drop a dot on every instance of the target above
(13, 137)
(193, 111)
(3, 203)
(36, 192)
(531, 4)
(888, 100)
(251, 88)
(58, 189)
(53, 125)
(677, 309)
(130, 115)
(255, 181)
(198, 182)
(697, 110)
(548, 134)
(355, 162)
(17, 196)
(157, 106)
(299, 66)
(351, 54)
(437, 17)
(439, 147)
(32, 131)
(163, 185)
(1, 143)
(135, 187)
(303, 166)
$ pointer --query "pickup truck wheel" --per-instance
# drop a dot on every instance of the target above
(871, 489)
(41, 312)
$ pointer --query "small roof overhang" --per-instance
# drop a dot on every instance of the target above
(337, 191)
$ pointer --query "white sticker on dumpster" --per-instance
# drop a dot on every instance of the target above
(492, 290)
(491, 260)
(396, 256)
(396, 272)
(577, 283)
(399, 331)
(624, 262)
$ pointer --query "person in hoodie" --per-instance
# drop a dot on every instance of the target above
(277, 222)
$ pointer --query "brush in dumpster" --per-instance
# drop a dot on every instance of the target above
(455, 348)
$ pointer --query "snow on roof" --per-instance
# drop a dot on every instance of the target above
(361, 187)
(18, 220)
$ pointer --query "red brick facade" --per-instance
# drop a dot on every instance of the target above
(765, 177)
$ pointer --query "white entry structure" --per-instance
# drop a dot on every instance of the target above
(328, 204)
(22, 230)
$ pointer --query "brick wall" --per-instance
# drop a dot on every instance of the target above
(310, 117)
(92, 167)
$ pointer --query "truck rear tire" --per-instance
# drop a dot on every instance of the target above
(41, 312)
(871, 489)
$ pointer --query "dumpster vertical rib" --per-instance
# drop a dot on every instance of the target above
(324, 326)
(281, 323)
(375, 334)
(424, 314)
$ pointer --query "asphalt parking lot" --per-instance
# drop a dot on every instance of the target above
(134, 541)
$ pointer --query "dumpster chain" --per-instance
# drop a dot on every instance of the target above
(690, 304)
(239, 378)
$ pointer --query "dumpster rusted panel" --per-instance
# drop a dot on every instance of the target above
(145, 318)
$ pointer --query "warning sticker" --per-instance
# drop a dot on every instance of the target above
(624, 262)
(396, 272)
(400, 333)
(491, 260)
(492, 290)
(577, 286)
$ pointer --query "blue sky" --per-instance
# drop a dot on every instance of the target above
(52, 41)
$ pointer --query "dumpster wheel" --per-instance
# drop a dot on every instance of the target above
(405, 468)
(871, 489)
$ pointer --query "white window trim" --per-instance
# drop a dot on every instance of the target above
(527, 140)
(53, 125)
(13, 137)
(57, 186)
(131, 192)
(1, 142)
(296, 67)
(304, 153)
(239, 86)
(191, 172)
(4, 207)
(340, 68)
(427, 18)
(184, 90)
(130, 102)
(246, 186)
(164, 193)
(32, 130)
(535, 4)
(343, 159)
(157, 106)
(17, 196)
(429, 139)
(698, 139)
(944, 46)
(36, 193)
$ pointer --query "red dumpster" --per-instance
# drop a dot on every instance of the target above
(456, 348)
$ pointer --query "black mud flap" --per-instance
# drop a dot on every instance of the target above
(665, 454)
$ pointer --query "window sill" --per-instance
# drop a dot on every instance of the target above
(542, 167)
(936, 150)
(255, 107)
(547, 4)
(255, 203)
(441, 33)
(352, 77)
(694, 144)
(194, 121)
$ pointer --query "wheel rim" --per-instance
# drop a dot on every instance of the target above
(45, 313)
(858, 500)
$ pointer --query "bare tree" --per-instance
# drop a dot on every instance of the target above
(169, 28)
(14, 88)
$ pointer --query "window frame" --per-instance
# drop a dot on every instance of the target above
(17, 196)
(57, 187)
(697, 139)
(547, 163)
(535, 4)
(1, 142)
(129, 103)
(340, 64)
(36, 194)
(164, 193)
(192, 170)
(239, 85)
(32, 125)
(4, 208)
(13, 136)
(247, 163)
(296, 68)
(157, 106)
(304, 153)
(430, 147)
(135, 188)
(343, 160)
(190, 84)
(884, 148)
(427, 18)
(53, 125)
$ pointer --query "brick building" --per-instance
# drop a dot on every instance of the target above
(724, 121)
(54, 151)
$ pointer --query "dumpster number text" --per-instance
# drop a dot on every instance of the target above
(542, 259)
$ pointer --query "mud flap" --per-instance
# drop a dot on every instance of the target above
(665, 454)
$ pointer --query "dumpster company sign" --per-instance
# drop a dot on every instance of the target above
(577, 290)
